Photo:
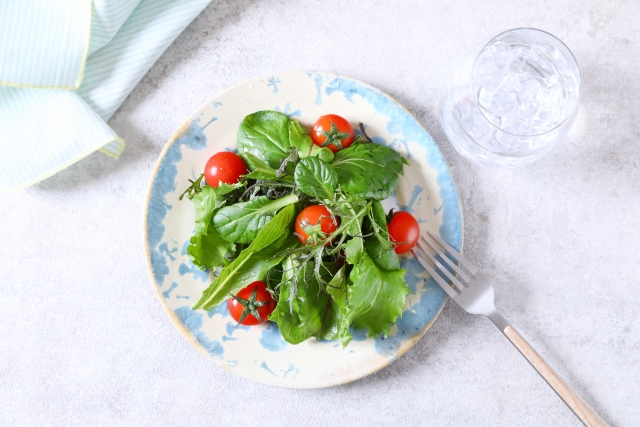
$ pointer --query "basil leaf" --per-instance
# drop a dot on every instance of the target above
(241, 222)
(318, 312)
(209, 250)
(378, 245)
(376, 298)
(316, 178)
(368, 170)
(253, 262)
(265, 135)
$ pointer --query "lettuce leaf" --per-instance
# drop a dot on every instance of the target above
(376, 297)
(207, 249)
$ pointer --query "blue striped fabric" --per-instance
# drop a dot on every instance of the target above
(107, 17)
(115, 69)
(44, 131)
(44, 43)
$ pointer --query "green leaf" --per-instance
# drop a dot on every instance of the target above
(318, 312)
(339, 291)
(337, 288)
(323, 153)
(376, 297)
(266, 136)
(258, 168)
(263, 175)
(368, 170)
(207, 202)
(223, 188)
(253, 263)
(241, 222)
(347, 206)
(254, 163)
(306, 148)
(300, 138)
(209, 250)
(261, 170)
(288, 322)
(353, 250)
(274, 277)
(316, 178)
(286, 312)
(281, 225)
(378, 245)
(248, 267)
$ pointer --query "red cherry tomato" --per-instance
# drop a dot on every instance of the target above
(309, 217)
(224, 166)
(262, 302)
(333, 132)
(404, 228)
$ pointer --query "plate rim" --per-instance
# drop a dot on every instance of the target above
(174, 317)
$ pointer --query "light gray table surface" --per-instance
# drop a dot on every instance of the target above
(84, 341)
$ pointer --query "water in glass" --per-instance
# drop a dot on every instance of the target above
(510, 104)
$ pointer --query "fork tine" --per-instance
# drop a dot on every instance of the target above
(442, 268)
(470, 267)
(444, 285)
(463, 274)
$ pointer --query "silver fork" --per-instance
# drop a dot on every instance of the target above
(477, 298)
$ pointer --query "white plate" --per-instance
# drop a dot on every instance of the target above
(259, 353)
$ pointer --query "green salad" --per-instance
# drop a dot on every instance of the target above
(293, 229)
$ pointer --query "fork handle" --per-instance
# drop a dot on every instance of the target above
(573, 401)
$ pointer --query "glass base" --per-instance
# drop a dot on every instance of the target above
(479, 155)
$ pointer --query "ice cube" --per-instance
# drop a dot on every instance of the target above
(519, 90)
(529, 88)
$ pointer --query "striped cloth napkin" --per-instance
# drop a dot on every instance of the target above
(65, 67)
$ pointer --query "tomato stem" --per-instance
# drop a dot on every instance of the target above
(364, 133)
(334, 136)
(250, 306)
(193, 189)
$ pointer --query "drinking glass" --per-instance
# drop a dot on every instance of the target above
(509, 101)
